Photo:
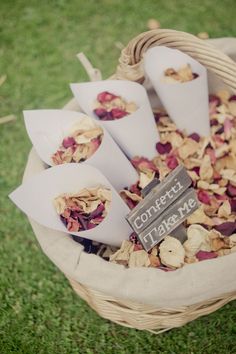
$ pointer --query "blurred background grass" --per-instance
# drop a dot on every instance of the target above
(39, 313)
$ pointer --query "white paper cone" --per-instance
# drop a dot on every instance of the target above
(47, 128)
(135, 133)
(35, 198)
(186, 103)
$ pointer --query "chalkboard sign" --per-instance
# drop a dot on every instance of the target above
(169, 219)
(159, 199)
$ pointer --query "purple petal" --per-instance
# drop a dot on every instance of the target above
(232, 98)
(231, 190)
(227, 228)
(195, 137)
(213, 122)
(202, 255)
(97, 212)
(91, 225)
(196, 170)
(100, 112)
(82, 222)
(233, 204)
(163, 148)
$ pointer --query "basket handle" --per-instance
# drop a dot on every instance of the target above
(130, 63)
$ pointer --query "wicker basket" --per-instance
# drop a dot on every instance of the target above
(122, 311)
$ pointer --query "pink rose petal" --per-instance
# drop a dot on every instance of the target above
(142, 163)
(172, 162)
(204, 197)
(212, 155)
(228, 125)
(68, 142)
(118, 113)
(202, 255)
(214, 101)
(105, 96)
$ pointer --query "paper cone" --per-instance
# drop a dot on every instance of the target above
(47, 128)
(186, 103)
(35, 198)
(135, 133)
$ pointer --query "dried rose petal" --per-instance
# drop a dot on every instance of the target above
(228, 125)
(82, 221)
(220, 130)
(118, 113)
(227, 228)
(97, 220)
(195, 137)
(203, 255)
(212, 155)
(214, 122)
(163, 148)
(172, 162)
(231, 190)
(131, 204)
(83, 141)
(67, 142)
(204, 197)
(184, 74)
(110, 107)
(91, 225)
(142, 164)
(221, 197)
(100, 112)
(97, 212)
(232, 98)
(196, 170)
(135, 189)
(133, 237)
(215, 99)
(233, 204)
(105, 96)
(83, 210)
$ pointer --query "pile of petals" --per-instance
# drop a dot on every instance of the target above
(211, 163)
(110, 107)
(170, 254)
(84, 210)
(83, 140)
(184, 74)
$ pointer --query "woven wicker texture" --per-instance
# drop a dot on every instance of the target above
(128, 313)
(130, 63)
(144, 317)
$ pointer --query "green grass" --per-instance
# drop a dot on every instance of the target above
(39, 313)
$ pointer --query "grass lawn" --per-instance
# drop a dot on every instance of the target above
(39, 312)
